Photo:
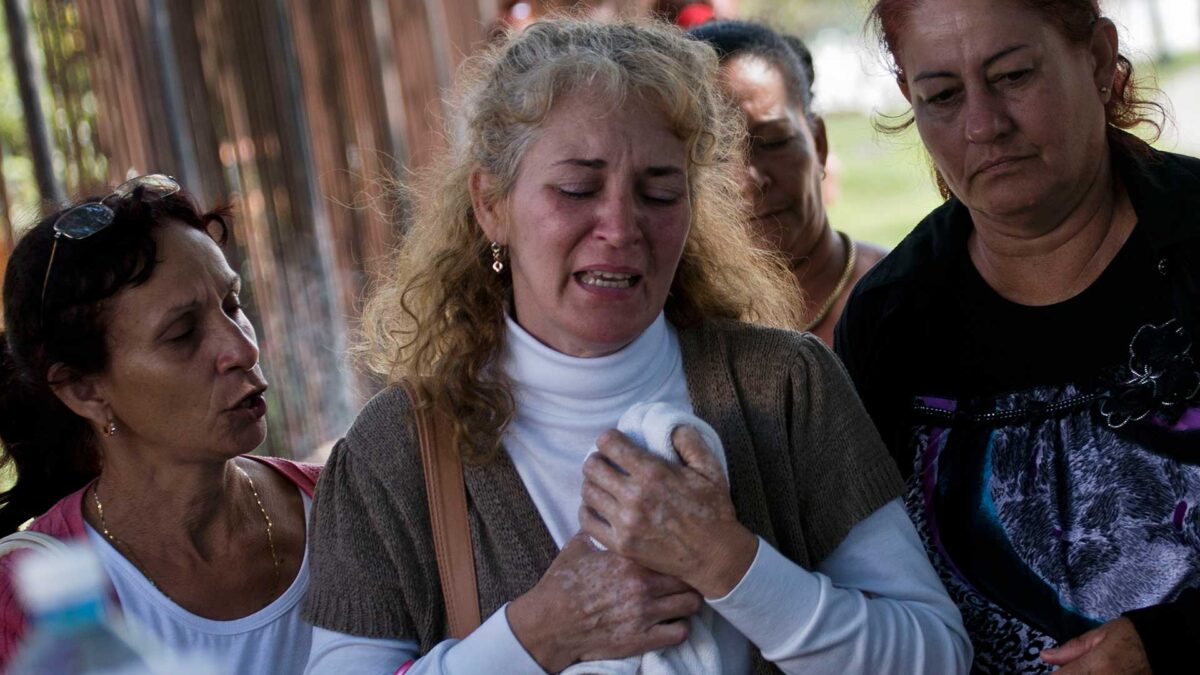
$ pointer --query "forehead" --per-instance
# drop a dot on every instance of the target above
(954, 34)
(187, 262)
(757, 86)
(583, 126)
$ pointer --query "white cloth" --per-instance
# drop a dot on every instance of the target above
(563, 403)
(651, 426)
(275, 640)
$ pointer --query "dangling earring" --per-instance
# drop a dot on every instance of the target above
(110, 429)
(497, 262)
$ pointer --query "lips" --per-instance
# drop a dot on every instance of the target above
(1000, 163)
(771, 212)
(252, 400)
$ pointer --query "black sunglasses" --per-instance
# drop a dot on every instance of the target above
(87, 219)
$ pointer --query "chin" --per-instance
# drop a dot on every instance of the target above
(613, 336)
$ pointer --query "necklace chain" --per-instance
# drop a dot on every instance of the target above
(118, 543)
(847, 273)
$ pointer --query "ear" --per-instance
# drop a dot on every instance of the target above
(820, 138)
(903, 84)
(487, 208)
(1105, 50)
(81, 394)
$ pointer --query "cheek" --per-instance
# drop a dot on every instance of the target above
(942, 144)
(667, 236)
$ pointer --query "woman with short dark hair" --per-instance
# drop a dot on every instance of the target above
(130, 393)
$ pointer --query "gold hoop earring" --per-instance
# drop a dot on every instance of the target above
(497, 258)
(110, 429)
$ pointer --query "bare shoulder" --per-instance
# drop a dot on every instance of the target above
(868, 255)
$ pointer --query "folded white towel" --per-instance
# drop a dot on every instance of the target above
(650, 425)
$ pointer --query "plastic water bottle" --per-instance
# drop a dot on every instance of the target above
(71, 632)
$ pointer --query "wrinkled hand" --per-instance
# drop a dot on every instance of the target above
(594, 605)
(676, 519)
(1113, 648)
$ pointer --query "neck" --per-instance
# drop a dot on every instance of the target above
(190, 505)
(819, 260)
(1043, 263)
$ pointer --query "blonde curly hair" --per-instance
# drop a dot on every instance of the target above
(436, 318)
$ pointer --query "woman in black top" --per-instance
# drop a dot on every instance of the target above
(1027, 352)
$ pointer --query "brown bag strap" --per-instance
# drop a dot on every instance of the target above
(448, 516)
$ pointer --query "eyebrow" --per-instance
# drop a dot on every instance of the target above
(986, 64)
(653, 171)
(585, 163)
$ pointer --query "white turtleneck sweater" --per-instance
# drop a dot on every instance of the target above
(876, 586)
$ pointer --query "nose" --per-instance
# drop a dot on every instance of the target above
(987, 118)
(757, 181)
(238, 347)
(760, 178)
(618, 219)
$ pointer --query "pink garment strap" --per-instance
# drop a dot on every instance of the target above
(404, 668)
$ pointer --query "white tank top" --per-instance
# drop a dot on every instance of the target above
(272, 641)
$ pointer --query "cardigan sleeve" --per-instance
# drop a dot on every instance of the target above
(1169, 632)
(842, 469)
(372, 562)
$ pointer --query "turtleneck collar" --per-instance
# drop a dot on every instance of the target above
(552, 386)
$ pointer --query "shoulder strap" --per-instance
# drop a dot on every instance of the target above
(448, 516)
(36, 541)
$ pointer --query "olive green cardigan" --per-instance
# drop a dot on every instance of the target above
(805, 465)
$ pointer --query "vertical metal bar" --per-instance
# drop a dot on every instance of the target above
(178, 128)
(29, 88)
(393, 94)
(342, 397)
(6, 227)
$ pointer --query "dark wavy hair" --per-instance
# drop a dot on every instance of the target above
(788, 54)
(52, 451)
(1130, 106)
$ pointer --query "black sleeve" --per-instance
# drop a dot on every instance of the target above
(1170, 633)
(855, 343)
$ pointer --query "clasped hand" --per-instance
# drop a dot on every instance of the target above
(675, 519)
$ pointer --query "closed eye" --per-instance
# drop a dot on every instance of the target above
(944, 96)
(233, 305)
(181, 331)
(576, 191)
(1013, 76)
(660, 197)
(773, 143)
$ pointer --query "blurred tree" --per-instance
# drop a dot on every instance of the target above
(29, 87)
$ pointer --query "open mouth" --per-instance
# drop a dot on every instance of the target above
(251, 401)
(600, 279)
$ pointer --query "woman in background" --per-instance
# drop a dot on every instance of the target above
(770, 78)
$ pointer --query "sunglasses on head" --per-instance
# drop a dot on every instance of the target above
(87, 219)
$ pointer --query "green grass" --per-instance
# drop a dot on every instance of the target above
(886, 185)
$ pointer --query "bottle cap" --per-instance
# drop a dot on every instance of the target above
(50, 580)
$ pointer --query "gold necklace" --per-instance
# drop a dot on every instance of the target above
(116, 542)
(851, 258)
